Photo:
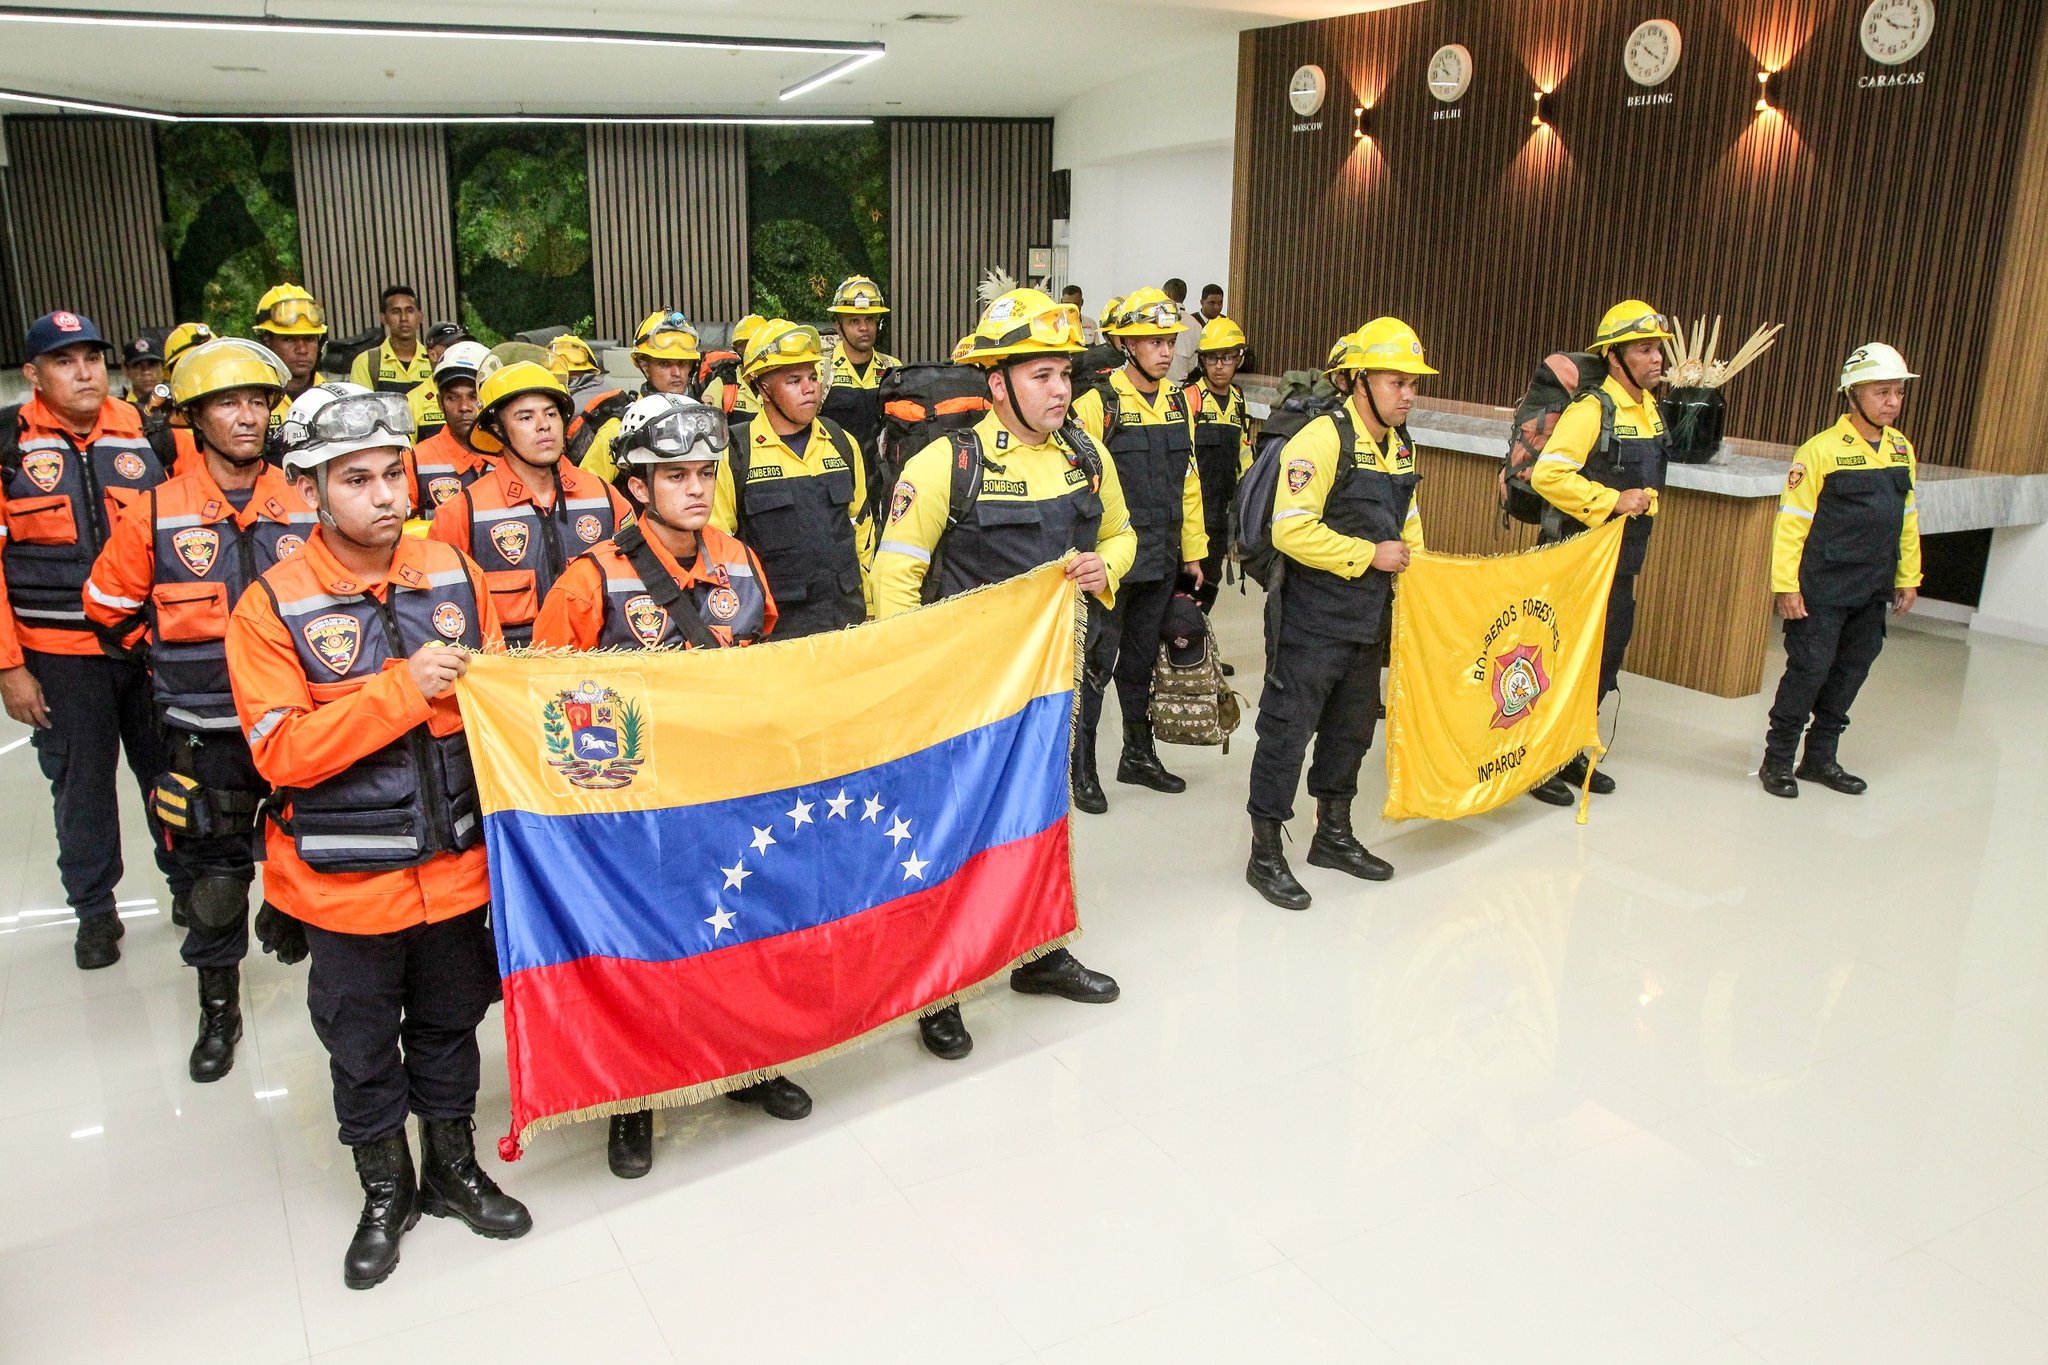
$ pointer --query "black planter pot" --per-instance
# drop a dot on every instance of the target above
(1692, 423)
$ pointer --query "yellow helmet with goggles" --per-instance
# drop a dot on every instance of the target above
(287, 310)
(779, 343)
(1146, 313)
(1022, 324)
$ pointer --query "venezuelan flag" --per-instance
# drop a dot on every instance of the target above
(712, 864)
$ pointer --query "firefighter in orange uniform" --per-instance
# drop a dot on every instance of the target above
(668, 581)
(180, 557)
(71, 458)
(528, 517)
(344, 659)
(446, 463)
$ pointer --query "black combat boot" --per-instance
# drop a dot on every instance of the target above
(1776, 775)
(1087, 784)
(629, 1150)
(391, 1205)
(945, 1034)
(1823, 769)
(1336, 846)
(779, 1096)
(452, 1184)
(1554, 792)
(1060, 973)
(1574, 776)
(220, 1023)
(1268, 872)
(1140, 764)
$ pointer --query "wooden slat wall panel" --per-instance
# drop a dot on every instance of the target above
(374, 209)
(1853, 215)
(668, 223)
(2012, 410)
(964, 195)
(85, 202)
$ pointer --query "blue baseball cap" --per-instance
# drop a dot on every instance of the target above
(55, 331)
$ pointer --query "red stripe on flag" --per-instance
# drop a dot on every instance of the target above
(602, 1029)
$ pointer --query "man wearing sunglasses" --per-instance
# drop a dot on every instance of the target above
(1146, 425)
(293, 325)
(1605, 458)
(794, 489)
(1039, 490)
(533, 512)
(666, 350)
(180, 558)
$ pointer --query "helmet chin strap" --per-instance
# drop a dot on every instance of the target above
(1621, 358)
(1004, 369)
(1363, 384)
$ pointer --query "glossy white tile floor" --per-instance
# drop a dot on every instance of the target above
(1714, 1077)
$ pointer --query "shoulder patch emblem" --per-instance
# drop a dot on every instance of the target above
(1795, 476)
(900, 500)
(1299, 472)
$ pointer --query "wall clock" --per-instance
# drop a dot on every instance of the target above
(1305, 90)
(1450, 72)
(1894, 31)
(1652, 52)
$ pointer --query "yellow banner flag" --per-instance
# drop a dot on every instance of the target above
(1496, 672)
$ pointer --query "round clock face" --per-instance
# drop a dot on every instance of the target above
(1652, 52)
(1894, 31)
(1450, 72)
(1305, 91)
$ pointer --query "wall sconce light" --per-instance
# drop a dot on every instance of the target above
(1361, 122)
(1763, 92)
(1541, 118)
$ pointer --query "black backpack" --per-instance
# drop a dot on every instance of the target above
(1092, 368)
(1562, 379)
(584, 426)
(921, 403)
(969, 464)
(1251, 511)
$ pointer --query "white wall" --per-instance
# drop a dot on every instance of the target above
(1151, 158)
(2013, 602)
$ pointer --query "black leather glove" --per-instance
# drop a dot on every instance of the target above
(283, 937)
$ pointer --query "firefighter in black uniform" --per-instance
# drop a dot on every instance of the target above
(1847, 547)
(1344, 517)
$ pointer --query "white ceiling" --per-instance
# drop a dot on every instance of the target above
(1002, 57)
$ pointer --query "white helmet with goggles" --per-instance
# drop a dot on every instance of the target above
(338, 418)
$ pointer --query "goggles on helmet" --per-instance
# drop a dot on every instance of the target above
(1165, 314)
(1648, 322)
(295, 313)
(796, 341)
(1059, 325)
(676, 434)
(670, 323)
(353, 417)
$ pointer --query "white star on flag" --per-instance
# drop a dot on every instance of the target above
(899, 830)
(874, 807)
(801, 816)
(762, 838)
(720, 920)
(839, 803)
(736, 874)
(914, 867)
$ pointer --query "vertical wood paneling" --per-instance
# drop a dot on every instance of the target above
(964, 196)
(1852, 214)
(668, 222)
(374, 210)
(85, 202)
(2012, 409)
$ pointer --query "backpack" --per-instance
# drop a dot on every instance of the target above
(968, 466)
(10, 443)
(1251, 511)
(725, 367)
(1562, 379)
(584, 426)
(1191, 703)
(1091, 371)
(921, 403)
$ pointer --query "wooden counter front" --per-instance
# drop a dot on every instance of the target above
(1703, 603)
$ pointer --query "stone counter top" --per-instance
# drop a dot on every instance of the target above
(1950, 499)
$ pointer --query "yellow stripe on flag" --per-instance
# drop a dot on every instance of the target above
(1496, 672)
(621, 730)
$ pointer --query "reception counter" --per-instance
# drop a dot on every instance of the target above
(1704, 600)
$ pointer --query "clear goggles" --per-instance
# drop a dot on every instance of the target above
(295, 313)
(669, 324)
(676, 436)
(1166, 314)
(1648, 322)
(1059, 325)
(354, 417)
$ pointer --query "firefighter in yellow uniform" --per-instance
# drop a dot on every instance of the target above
(1034, 489)
(291, 322)
(1605, 458)
(721, 387)
(1223, 441)
(666, 350)
(1345, 518)
(853, 366)
(793, 489)
(1146, 426)
(1847, 547)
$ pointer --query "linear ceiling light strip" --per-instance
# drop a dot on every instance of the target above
(160, 116)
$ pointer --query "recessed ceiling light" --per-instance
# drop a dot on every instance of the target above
(922, 18)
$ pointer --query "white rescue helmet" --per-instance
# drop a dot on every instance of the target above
(338, 418)
(668, 428)
(1873, 362)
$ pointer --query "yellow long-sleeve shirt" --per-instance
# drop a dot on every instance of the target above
(1558, 474)
(1839, 449)
(1166, 405)
(1019, 474)
(1308, 471)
